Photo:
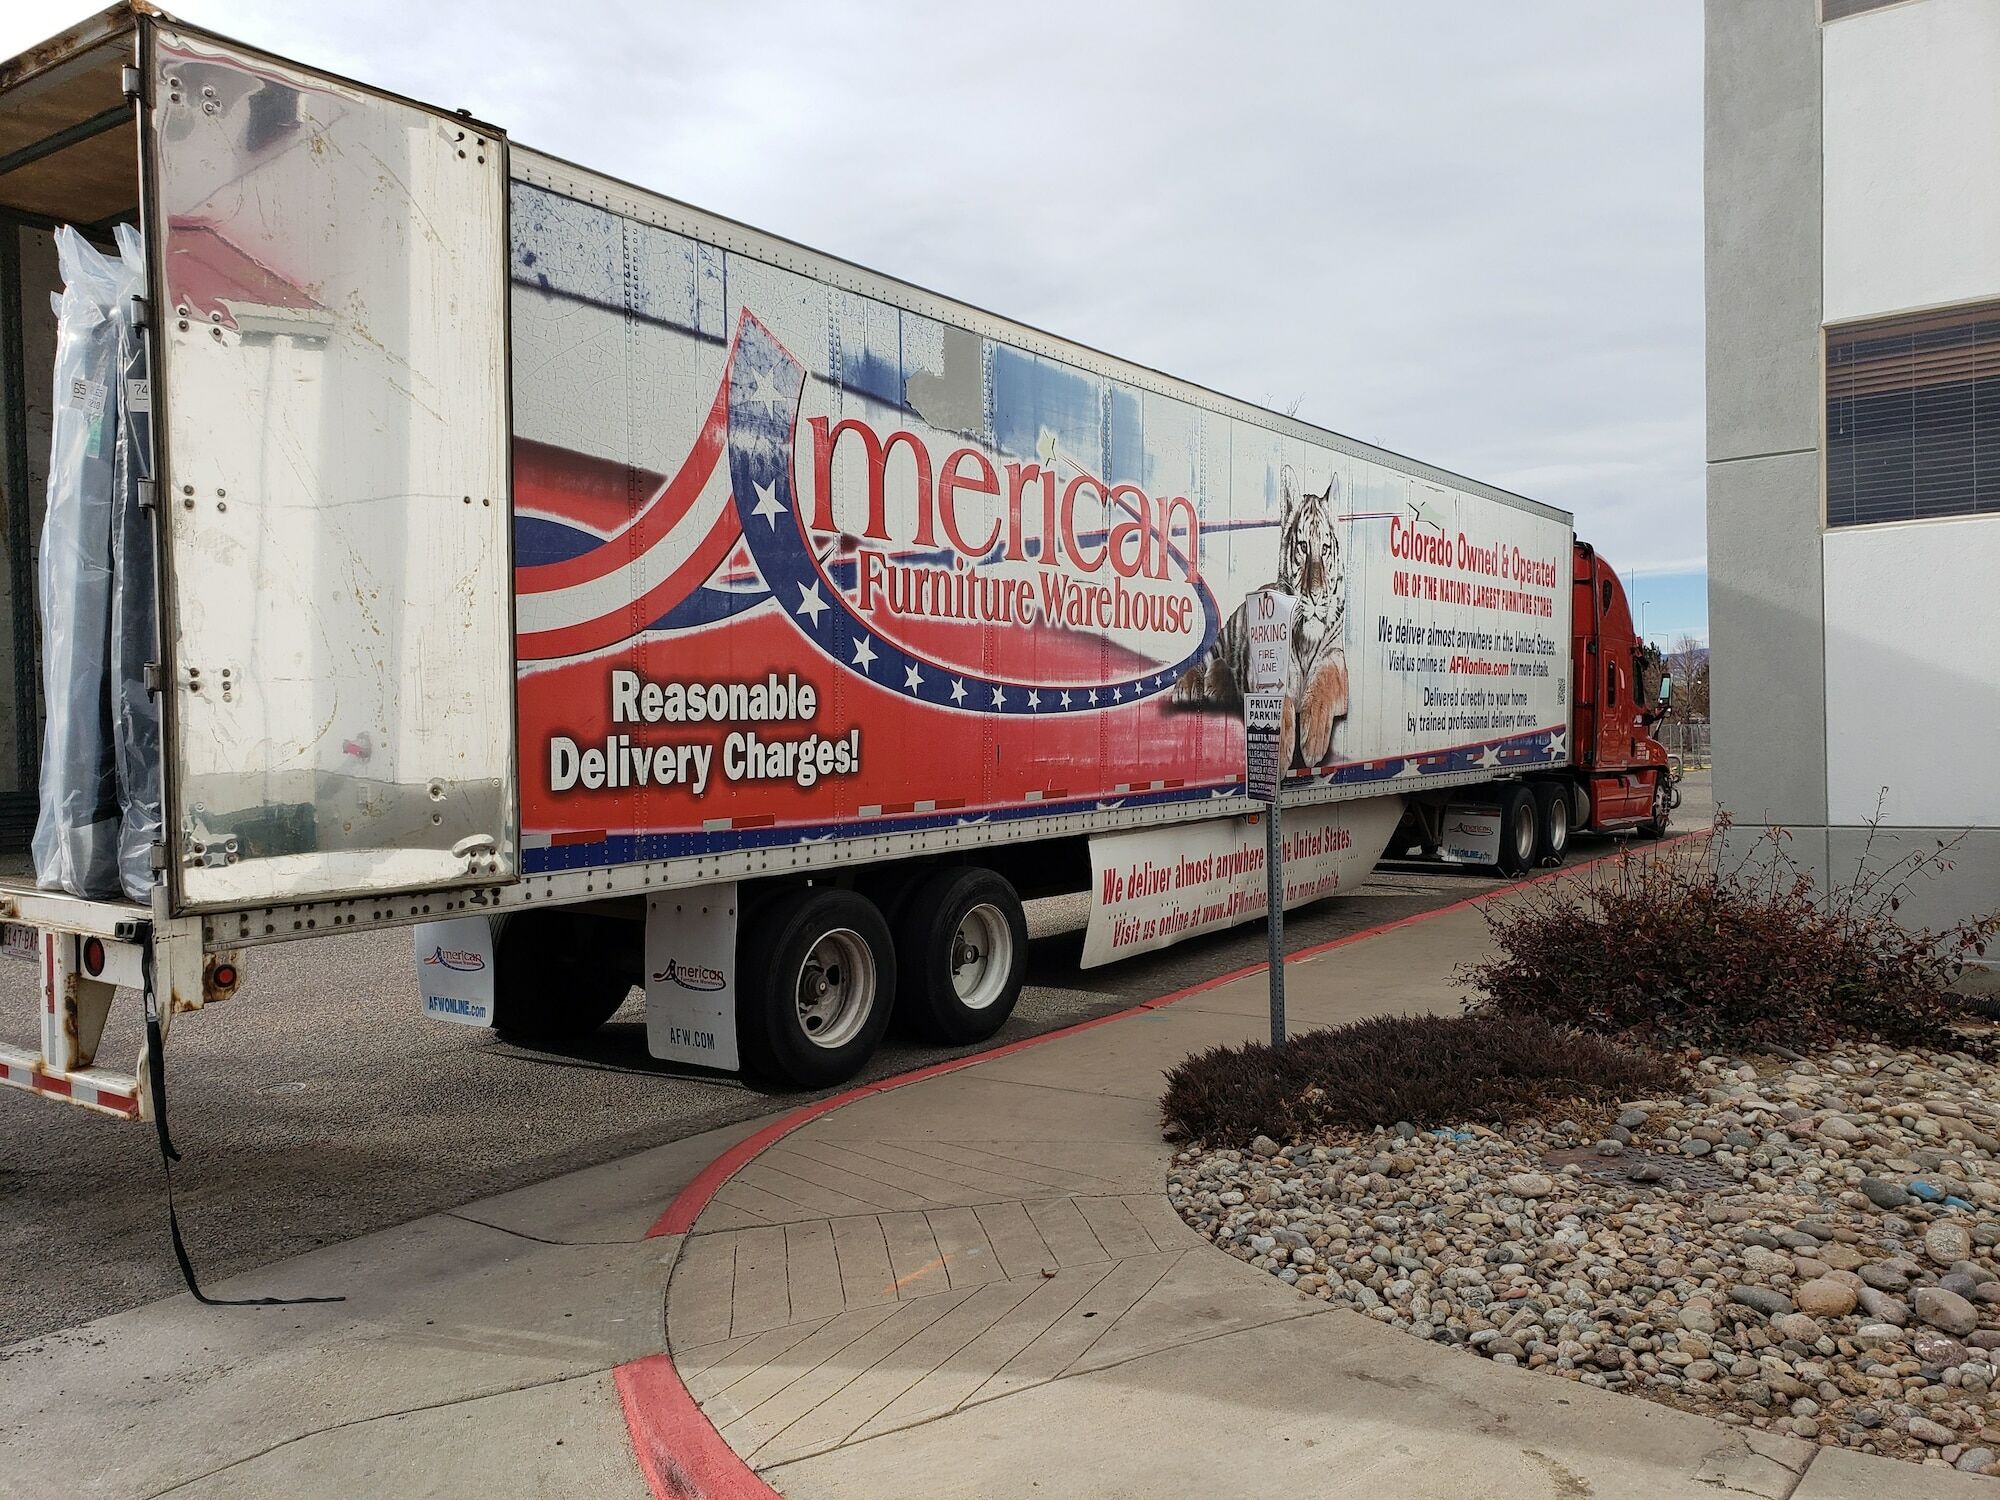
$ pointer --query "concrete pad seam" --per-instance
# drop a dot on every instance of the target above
(971, 1402)
(522, 1234)
(1022, 1287)
(423, 1406)
(1057, 1088)
(1021, 1161)
(962, 1168)
(960, 1293)
(815, 1218)
(1146, 1292)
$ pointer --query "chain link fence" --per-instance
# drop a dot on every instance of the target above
(1688, 740)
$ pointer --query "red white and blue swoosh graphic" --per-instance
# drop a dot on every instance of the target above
(736, 484)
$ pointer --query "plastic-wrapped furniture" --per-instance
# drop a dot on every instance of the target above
(76, 837)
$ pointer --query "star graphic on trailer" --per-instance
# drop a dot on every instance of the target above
(764, 391)
(1093, 695)
(767, 504)
(810, 602)
(957, 690)
(1065, 700)
(912, 678)
(864, 654)
(999, 699)
(1118, 695)
(1034, 699)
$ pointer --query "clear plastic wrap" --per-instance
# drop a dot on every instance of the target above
(135, 711)
(76, 836)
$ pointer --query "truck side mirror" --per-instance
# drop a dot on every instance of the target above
(1667, 688)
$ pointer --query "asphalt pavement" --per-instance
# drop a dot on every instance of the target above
(319, 1104)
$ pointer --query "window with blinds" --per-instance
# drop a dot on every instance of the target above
(1913, 417)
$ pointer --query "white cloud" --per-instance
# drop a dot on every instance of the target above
(1464, 231)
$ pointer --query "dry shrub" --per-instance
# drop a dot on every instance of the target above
(1669, 947)
(1427, 1070)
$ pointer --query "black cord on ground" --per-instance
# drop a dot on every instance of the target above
(156, 1073)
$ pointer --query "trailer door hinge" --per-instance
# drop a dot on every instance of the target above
(139, 312)
(157, 856)
(154, 676)
(148, 495)
(133, 82)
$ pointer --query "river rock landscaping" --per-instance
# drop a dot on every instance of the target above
(1807, 1246)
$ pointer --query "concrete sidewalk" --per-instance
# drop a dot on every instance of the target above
(973, 1285)
(473, 1356)
(967, 1284)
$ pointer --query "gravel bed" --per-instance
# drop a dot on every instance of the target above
(1807, 1247)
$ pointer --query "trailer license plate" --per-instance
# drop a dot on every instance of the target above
(17, 940)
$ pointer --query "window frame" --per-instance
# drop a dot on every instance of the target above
(1975, 310)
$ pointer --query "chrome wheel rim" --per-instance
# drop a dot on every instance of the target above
(835, 988)
(982, 956)
(1524, 831)
(1558, 825)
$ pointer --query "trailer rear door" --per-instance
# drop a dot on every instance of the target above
(330, 300)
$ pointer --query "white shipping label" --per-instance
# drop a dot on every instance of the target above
(138, 395)
(87, 395)
(691, 976)
(1269, 614)
(1152, 887)
(455, 969)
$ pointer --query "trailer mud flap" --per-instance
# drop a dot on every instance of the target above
(455, 969)
(691, 976)
(1471, 834)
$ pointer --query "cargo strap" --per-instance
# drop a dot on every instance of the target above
(156, 1073)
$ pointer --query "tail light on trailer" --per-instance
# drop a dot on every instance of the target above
(220, 976)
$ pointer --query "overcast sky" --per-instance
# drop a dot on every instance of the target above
(1467, 231)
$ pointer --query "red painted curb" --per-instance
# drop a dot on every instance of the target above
(681, 1454)
(678, 1449)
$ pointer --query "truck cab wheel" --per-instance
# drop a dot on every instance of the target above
(962, 946)
(1664, 797)
(1520, 830)
(1553, 820)
(559, 975)
(816, 979)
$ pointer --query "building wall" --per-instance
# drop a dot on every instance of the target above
(1851, 174)
(1912, 131)
(1764, 279)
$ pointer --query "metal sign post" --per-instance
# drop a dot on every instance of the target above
(1270, 622)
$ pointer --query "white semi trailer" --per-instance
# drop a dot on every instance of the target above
(616, 596)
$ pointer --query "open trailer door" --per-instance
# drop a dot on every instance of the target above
(331, 391)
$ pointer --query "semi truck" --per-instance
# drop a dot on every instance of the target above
(616, 596)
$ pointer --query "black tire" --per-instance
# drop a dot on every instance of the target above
(962, 948)
(559, 975)
(1520, 830)
(1655, 827)
(816, 981)
(1554, 818)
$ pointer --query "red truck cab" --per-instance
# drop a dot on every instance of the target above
(1620, 768)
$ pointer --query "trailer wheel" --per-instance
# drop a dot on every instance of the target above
(962, 945)
(558, 976)
(1552, 805)
(816, 977)
(1520, 830)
